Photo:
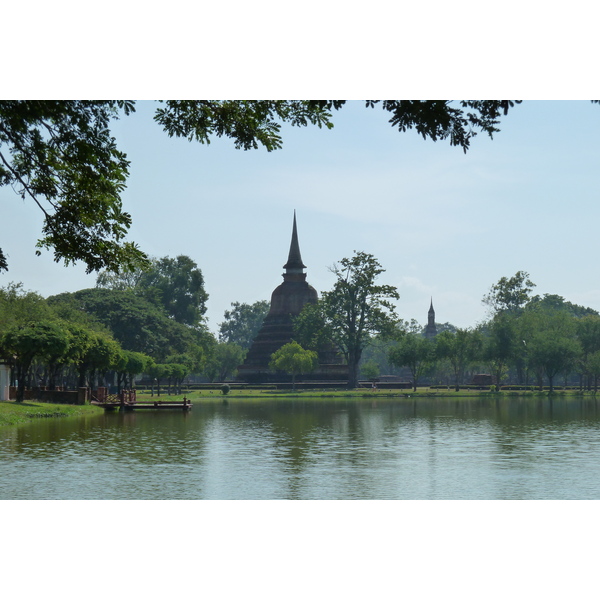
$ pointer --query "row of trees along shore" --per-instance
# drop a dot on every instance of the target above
(527, 341)
(151, 321)
(148, 321)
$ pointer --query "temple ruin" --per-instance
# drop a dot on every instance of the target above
(287, 301)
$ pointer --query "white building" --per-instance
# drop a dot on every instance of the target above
(4, 380)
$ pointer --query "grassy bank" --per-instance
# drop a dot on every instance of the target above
(207, 395)
(15, 413)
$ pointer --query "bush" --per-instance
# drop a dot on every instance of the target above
(225, 389)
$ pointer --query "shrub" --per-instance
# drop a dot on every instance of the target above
(225, 389)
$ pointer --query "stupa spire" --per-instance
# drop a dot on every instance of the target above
(287, 301)
(294, 263)
(431, 329)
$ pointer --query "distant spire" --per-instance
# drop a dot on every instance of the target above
(294, 263)
(431, 329)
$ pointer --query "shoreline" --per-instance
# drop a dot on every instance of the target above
(14, 413)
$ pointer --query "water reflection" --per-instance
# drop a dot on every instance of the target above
(313, 449)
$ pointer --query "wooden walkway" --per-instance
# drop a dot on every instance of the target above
(127, 402)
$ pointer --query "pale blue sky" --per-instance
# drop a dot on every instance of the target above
(443, 224)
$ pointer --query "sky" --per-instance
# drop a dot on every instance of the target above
(444, 225)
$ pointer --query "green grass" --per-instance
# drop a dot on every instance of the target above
(425, 392)
(16, 413)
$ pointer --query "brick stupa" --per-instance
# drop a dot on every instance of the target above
(287, 301)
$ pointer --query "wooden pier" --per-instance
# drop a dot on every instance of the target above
(127, 401)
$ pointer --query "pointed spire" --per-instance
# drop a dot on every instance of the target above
(294, 263)
(431, 329)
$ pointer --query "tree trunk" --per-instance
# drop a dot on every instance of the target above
(52, 373)
(540, 381)
(352, 373)
(22, 369)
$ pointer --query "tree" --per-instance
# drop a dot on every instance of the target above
(377, 353)
(379, 346)
(551, 346)
(103, 354)
(35, 339)
(415, 352)
(588, 334)
(123, 280)
(157, 372)
(509, 294)
(136, 323)
(176, 284)
(173, 284)
(243, 322)
(294, 359)
(130, 364)
(352, 311)
(500, 344)
(59, 356)
(19, 307)
(223, 361)
(593, 368)
(459, 349)
(444, 327)
(370, 370)
(62, 156)
(250, 123)
(556, 302)
(175, 374)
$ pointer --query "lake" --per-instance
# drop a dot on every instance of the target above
(311, 448)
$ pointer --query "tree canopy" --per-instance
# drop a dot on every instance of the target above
(459, 349)
(62, 156)
(175, 285)
(510, 293)
(415, 352)
(180, 287)
(556, 302)
(137, 324)
(223, 360)
(294, 359)
(25, 342)
(348, 315)
(242, 322)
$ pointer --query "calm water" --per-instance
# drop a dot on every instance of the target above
(313, 449)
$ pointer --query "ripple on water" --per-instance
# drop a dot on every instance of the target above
(308, 451)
